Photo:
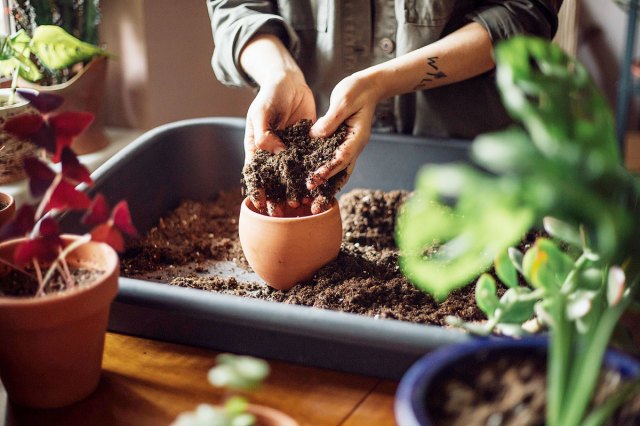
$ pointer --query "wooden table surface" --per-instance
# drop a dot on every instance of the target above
(147, 382)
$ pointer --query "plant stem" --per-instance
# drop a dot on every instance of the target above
(47, 197)
(64, 253)
(558, 360)
(588, 366)
(41, 282)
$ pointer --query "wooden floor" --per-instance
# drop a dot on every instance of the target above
(146, 382)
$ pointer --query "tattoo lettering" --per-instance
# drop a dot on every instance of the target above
(432, 73)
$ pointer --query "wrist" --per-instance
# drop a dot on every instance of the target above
(373, 80)
(267, 61)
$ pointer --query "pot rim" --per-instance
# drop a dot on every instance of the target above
(8, 199)
(111, 266)
(56, 87)
(409, 404)
(251, 212)
(20, 102)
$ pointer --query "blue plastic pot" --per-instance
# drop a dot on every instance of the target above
(414, 388)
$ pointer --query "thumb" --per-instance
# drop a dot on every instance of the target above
(327, 125)
(265, 138)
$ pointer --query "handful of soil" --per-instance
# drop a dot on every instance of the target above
(284, 176)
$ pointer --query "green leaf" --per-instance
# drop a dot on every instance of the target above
(486, 298)
(506, 270)
(57, 49)
(563, 231)
(579, 304)
(236, 405)
(453, 226)
(616, 283)
(515, 306)
(546, 266)
(516, 257)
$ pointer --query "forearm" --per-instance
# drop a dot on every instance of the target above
(265, 59)
(462, 54)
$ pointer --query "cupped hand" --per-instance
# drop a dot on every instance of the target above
(276, 106)
(353, 101)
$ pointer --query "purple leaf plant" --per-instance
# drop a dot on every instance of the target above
(57, 192)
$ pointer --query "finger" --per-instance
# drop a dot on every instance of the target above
(344, 179)
(320, 204)
(274, 209)
(294, 204)
(342, 157)
(249, 145)
(328, 124)
(263, 136)
(259, 200)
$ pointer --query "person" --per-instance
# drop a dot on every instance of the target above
(419, 67)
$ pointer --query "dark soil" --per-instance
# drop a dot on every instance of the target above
(283, 176)
(3, 205)
(17, 284)
(190, 242)
(508, 391)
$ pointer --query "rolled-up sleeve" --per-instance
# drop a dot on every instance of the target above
(506, 18)
(233, 23)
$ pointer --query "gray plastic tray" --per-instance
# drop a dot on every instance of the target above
(197, 158)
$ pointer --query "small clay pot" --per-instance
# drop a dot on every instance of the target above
(51, 351)
(286, 250)
(6, 212)
(83, 92)
(13, 150)
(266, 416)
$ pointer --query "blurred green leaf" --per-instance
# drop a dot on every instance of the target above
(516, 307)
(441, 249)
(505, 269)
(546, 266)
(57, 49)
(486, 298)
(563, 231)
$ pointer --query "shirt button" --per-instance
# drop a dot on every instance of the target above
(387, 45)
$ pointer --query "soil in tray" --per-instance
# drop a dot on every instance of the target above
(196, 245)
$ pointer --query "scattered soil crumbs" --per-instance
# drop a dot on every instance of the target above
(509, 391)
(283, 176)
(17, 284)
(364, 279)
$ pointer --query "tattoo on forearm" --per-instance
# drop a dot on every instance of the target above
(432, 73)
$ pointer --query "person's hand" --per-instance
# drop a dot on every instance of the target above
(353, 101)
(278, 104)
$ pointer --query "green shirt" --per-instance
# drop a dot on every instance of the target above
(332, 39)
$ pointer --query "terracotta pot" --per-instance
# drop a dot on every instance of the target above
(6, 212)
(266, 416)
(51, 351)
(285, 251)
(83, 92)
(13, 150)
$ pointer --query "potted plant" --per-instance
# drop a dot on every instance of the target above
(13, 150)
(61, 39)
(56, 289)
(562, 164)
(236, 373)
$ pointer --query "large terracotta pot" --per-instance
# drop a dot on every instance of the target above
(7, 208)
(286, 250)
(13, 150)
(51, 350)
(83, 92)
